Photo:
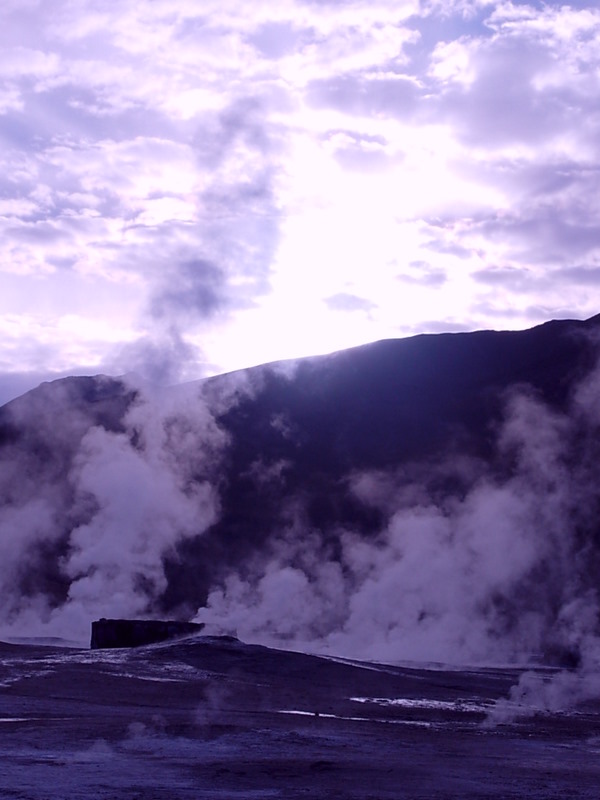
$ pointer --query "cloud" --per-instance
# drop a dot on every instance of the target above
(516, 279)
(393, 95)
(124, 203)
(449, 248)
(422, 273)
(278, 39)
(265, 143)
(547, 237)
(499, 105)
(581, 275)
(345, 301)
(521, 280)
(360, 151)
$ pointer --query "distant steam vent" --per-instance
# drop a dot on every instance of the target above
(110, 633)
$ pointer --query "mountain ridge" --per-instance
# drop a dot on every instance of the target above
(118, 501)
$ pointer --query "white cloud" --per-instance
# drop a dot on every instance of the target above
(302, 151)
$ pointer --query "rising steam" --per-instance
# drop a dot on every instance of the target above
(91, 542)
(503, 570)
(501, 565)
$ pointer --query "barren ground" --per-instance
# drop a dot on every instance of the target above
(214, 718)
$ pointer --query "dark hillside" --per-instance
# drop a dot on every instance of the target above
(136, 503)
(388, 405)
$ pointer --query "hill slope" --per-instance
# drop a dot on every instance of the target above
(432, 496)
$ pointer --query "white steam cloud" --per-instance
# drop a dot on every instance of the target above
(129, 496)
(502, 572)
(475, 561)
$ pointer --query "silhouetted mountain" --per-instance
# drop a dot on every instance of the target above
(401, 404)
(152, 499)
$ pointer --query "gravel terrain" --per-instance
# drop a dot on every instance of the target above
(209, 717)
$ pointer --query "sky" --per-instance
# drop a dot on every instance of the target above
(189, 187)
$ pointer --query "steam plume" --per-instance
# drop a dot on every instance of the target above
(501, 570)
(92, 544)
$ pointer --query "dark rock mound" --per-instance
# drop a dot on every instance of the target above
(109, 633)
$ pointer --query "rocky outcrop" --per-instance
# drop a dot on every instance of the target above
(109, 633)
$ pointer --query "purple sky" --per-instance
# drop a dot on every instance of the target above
(191, 186)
